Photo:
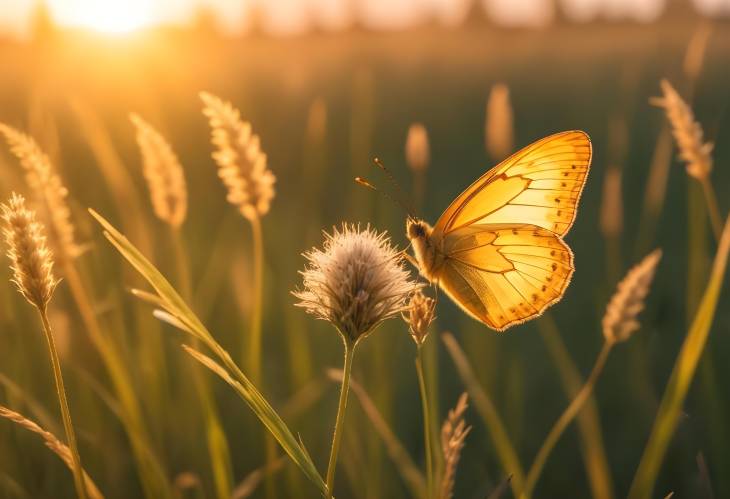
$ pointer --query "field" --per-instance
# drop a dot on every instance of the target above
(324, 105)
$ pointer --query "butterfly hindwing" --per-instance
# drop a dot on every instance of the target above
(505, 274)
(539, 185)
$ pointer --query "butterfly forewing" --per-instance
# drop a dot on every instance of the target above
(505, 261)
(539, 185)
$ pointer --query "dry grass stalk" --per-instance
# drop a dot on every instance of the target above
(31, 260)
(612, 213)
(418, 151)
(53, 443)
(241, 162)
(453, 434)
(47, 185)
(619, 321)
(687, 132)
(317, 121)
(695, 55)
(499, 126)
(163, 172)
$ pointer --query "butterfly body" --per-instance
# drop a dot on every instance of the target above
(497, 250)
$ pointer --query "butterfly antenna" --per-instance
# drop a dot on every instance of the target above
(405, 201)
(365, 183)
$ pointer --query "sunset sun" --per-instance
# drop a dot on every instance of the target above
(106, 17)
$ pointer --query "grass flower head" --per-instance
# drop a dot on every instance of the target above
(356, 281)
(163, 172)
(619, 321)
(420, 315)
(31, 260)
(242, 165)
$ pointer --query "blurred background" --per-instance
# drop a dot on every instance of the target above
(329, 85)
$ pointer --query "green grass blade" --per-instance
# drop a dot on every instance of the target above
(485, 407)
(589, 424)
(681, 378)
(177, 308)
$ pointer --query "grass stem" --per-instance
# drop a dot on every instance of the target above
(65, 412)
(712, 207)
(426, 424)
(565, 419)
(340, 421)
(254, 339)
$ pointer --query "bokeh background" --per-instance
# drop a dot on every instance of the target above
(328, 86)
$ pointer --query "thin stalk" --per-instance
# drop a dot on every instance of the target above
(426, 423)
(254, 343)
(565, 419)
(712, 207)
(78, 472)
(153, 476)
(218, 450)
(340, 421)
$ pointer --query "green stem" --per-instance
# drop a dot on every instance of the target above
(712, 207)
(254, 345)
(426, 424)
(340, 421)
(218, 450)
(562, 423)
(65, 412)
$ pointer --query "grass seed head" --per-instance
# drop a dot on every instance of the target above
(619, 321)
(499, 127)
(687, 133)
(356, 281)
(418, 151)
(241, 163)
(163, 172)
(47, 186)
(31, 260)
(419, 315)
(453, 434)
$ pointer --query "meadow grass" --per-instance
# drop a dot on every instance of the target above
(143, 414)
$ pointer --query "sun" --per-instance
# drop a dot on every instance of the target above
(107, 16)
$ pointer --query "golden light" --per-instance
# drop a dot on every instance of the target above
(102, 15)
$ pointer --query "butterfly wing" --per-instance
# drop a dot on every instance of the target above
(503, 275)
(539, 185)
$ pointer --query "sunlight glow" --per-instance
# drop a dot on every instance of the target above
(103, 16)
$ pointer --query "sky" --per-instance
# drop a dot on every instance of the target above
(291, 16)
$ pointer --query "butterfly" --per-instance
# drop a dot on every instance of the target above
(498, 249)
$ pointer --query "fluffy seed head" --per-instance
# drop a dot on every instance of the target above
(418, 151)
(453, 434)
(687, 133)
(619, 321)
(356, 281)
(163, 172)
(47, 186)
(499, 128)
(31, 260)
(241, 162)
(420, 315)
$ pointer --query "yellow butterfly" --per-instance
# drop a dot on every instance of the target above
(497, 250)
